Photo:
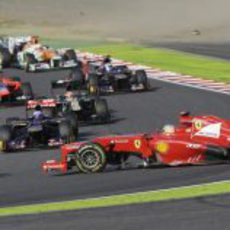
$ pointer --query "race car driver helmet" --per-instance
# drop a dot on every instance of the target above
(38, 115)
(38, 108)
(185, 113)
(168, 129)
(69, 88)
(107, 59)
(33, 39)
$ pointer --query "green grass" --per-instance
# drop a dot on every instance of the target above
(216, 188)
(195, 65)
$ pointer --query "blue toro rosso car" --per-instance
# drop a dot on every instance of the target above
(36, 131)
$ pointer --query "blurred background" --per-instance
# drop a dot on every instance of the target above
(119, 20)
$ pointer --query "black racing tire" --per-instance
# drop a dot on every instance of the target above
(5, 136)
(93, 69)
(111, 79)
(27, 91)
(93, 80)
(5, 57)
(142, 78)
(5, 132)
(93, 84)
(133, 79)
(70, 55)
(77, 75)
(73, 120)
(66, 132)
(29, 59)
(91, 158)
(102, 110)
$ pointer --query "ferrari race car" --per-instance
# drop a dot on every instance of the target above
(27, 53)
(20, 134)
(197, 140)
(12, 90)
(82, 107)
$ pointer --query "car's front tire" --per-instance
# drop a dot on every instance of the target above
(91, 158)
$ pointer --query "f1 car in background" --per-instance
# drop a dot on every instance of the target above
(119, 79)
(197, 140)
(21, 134)
(106, 77)
(83, 107)
(27, 53)
(12, 90)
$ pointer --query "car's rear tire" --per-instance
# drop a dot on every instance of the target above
(93, 84)
(5, 57)
(142, 78)
(5, 136)
(78, 78)
(70, 55)
(5, 132)
(91, 158)
(66, 132)
(73, 119)
(102, 110)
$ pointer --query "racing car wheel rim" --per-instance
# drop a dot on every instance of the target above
(90, 158)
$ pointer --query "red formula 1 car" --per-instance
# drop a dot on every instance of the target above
(12, 90)
(197, 140)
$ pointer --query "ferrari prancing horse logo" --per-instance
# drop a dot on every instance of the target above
(137, 143)
(198, 124)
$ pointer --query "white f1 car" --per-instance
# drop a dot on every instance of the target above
(27, 53)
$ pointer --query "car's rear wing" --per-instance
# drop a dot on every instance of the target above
(31, 104)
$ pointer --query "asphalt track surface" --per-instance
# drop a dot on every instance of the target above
(193, 214)
(208, 49)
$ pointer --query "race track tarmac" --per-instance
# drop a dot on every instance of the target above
(22, 181)
(207, 49)
(193, 214)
